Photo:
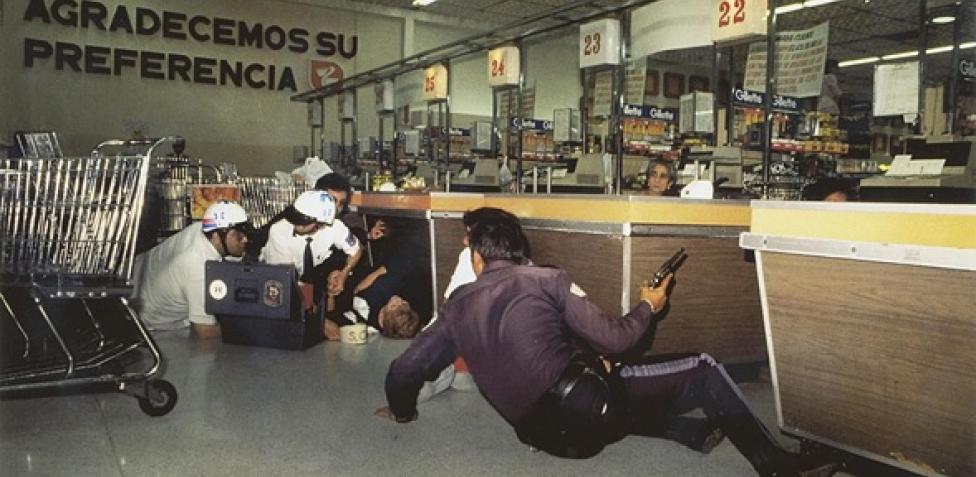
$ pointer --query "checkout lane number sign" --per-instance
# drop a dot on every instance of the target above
(599, 43)
(737, 19)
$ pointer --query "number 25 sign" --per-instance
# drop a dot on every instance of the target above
(737, 19)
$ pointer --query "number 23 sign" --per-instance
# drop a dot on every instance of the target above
(599, 43)
(737, 19)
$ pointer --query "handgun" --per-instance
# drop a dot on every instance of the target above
(670, 266)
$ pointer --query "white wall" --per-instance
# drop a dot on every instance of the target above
(552, 64)
(254, 127)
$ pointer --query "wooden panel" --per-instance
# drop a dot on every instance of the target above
(594, 262)
(420, 202)
(715, 306)
(877, 356)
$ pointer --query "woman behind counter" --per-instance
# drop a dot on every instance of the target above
(660, 179)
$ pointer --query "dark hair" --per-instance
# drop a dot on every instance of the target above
(334, 181)
(824, 187)
(521, 252)
(294, 217)
(498, 240)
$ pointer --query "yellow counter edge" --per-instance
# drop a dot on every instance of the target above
(936, 230)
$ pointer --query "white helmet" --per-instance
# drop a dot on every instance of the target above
(318, 205)
(223, 215)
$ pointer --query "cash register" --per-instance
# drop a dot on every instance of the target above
(259, 305)
(933, 170)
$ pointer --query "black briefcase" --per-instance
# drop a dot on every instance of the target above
(260, 305)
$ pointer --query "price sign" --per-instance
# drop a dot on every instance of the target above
(599, 43)
(738, 19)
(384, 96)
(435, 83)
(503, 66)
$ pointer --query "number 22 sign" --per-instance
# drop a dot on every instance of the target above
(737, 19)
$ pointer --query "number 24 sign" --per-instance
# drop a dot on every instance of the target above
(736, 19)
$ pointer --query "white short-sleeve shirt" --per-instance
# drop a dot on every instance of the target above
(169, 281)
(286, 248)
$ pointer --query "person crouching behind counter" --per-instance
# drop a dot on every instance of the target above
(660, 178)
(169, 279)
(305, 237)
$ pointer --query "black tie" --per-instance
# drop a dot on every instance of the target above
(308, 264)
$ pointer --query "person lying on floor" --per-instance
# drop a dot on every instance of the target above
(394, 298)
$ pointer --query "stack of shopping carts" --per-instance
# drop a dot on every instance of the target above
(265, 197)
(68, 229)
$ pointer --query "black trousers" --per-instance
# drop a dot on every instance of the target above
(646, 397)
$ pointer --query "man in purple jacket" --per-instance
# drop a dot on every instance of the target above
(534, 343)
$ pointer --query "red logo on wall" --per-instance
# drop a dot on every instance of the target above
(322, 73)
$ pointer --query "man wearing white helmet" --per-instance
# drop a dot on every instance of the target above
(169, 278)
(306, 236)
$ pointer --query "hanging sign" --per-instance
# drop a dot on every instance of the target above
(896, 89)
(384, 96)
(669, 25)
(435, 83)
(347, 105)
(650, 112)
(800, 58)
(752, 99)
(738, 19)
(599, 43)
(503, 66)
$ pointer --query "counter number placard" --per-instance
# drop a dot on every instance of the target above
(435, 83)
(599, 43)
(737, 19)
(504, 66)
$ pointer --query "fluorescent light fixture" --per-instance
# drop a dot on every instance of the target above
(859, 61)
(422, 3)
(789, 8)
(904, 54)
(943, 20)
(938, 49)
(817, 3)
(967, 45)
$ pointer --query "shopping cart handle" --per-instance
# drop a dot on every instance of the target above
(152, 143)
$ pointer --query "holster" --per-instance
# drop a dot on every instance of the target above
(577, 417)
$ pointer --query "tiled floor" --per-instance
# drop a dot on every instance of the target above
(246, 411)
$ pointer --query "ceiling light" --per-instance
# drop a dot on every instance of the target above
(789, 8)
(938, 49)
(943, 20)
(904, 54)
(967, 45)
(421, 3)
(859, 61)
(817, 3)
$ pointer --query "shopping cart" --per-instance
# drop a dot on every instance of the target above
(68, 229)
(265, 197)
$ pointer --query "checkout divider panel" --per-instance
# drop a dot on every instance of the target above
(593, 261)
(876, 357)
(715, 305)
(448, 243)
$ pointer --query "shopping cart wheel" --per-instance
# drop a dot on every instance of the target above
(160, 398)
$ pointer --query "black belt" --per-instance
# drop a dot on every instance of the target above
(579, 366)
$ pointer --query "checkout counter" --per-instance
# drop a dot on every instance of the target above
(870, 317)
(609, 244)
(939, 170)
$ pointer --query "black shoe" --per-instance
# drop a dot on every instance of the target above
(710, 436)
(806, 466)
